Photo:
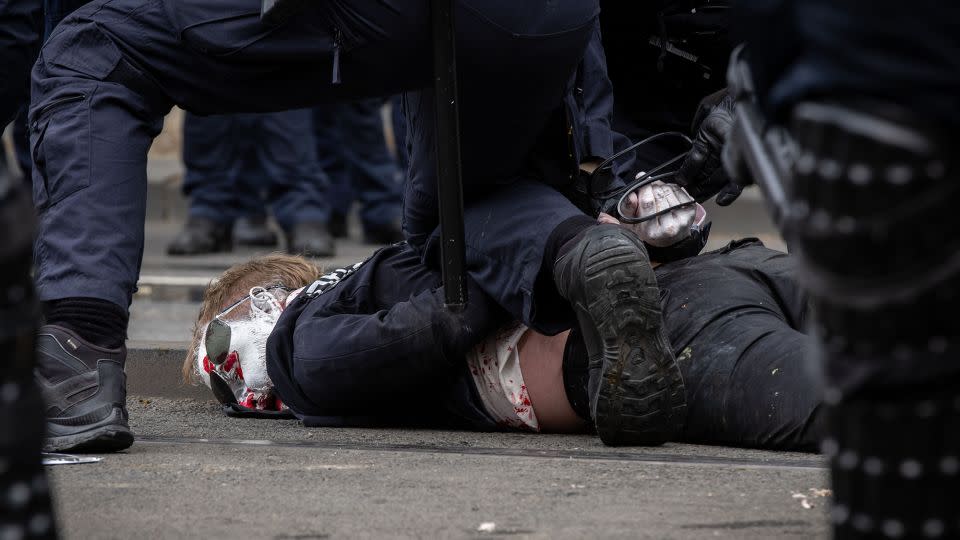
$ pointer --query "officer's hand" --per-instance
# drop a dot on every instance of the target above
(702, 173)
(665, 230)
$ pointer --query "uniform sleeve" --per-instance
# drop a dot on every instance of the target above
(594, 100)
(594, 93)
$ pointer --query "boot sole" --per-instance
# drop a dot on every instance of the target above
(641, 398)
(101, 439)
(109, 434)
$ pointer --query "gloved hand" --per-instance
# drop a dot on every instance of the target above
(665, 230)
(702, 173)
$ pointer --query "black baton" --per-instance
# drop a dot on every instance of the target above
(449, 177)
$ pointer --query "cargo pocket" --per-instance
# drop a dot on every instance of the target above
(84, 50)
(60, 147)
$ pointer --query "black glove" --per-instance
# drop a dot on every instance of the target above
(702, 173)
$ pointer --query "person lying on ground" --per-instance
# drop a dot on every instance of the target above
(372, 344)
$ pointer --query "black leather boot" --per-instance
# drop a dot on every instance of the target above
(84, 387)
(635, 389)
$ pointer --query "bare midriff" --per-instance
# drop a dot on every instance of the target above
(541, 362)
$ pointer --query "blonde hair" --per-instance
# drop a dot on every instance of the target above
(290, 271)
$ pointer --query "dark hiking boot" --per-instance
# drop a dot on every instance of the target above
(200, 236)
(635, 388)
(310, 239)
(253, 231)
(84, 389)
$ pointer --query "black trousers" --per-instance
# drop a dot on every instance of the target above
(736, 318)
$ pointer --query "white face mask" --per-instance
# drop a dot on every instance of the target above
(232, 356)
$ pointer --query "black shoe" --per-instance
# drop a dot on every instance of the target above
(310, 239)
(635, 388)
(387, 233)
(253, 231)
(85, 392)
(338, 225)
(201, 235)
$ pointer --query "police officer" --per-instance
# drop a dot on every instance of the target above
(868, 92)
(353, 151)
(236, 165)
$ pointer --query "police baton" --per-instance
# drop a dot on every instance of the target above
(449, 173)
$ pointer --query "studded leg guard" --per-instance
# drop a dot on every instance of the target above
(25, 510)
(873, 223)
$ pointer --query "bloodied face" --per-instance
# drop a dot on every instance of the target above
(231, 357)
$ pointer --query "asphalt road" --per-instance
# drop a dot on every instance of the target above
(195, 473)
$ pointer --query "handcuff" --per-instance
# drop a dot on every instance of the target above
(642, 179)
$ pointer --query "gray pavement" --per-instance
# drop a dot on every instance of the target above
(196, 473)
